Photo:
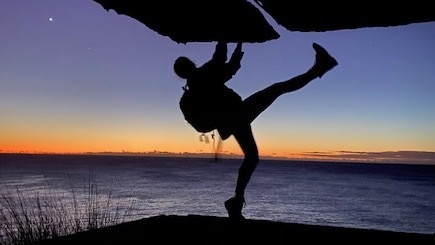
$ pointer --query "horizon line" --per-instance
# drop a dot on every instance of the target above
(384, 157)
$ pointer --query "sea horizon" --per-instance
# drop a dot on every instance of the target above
(229, 156)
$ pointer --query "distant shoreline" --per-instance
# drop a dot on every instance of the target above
(207, 156)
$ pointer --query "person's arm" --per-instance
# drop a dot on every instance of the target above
(236, 58)
(220, 53)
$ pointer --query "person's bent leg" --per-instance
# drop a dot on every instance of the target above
(246, 141)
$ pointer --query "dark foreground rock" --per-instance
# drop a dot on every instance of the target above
(194, 229)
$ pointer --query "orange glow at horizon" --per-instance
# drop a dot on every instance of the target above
(74, 141)
(141, 142)
(116, 137)
(230, 148)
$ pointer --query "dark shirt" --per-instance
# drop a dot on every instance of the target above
(217, 71)
(208, 82)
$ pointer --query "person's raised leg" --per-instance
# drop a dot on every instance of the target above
(261, 100)
(246, 141)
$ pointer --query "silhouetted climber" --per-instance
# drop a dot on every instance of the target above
(208, 104)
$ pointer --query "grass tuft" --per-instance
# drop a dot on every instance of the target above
(27, 218)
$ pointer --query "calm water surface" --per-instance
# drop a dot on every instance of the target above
(373, 196)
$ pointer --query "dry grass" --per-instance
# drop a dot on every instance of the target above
(26, 218)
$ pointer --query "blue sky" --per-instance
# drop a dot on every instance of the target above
(76, 78)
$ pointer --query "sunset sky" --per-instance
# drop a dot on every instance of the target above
(77, 78)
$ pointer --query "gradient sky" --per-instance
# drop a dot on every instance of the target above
(77, 78)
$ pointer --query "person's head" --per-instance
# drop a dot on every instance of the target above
(183, 67)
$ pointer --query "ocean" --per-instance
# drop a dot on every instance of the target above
(357, 195)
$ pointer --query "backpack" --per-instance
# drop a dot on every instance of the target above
(196, 113)
(204, 112)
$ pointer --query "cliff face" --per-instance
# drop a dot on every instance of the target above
(198, 21)
(309, 16)
(243, 21)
